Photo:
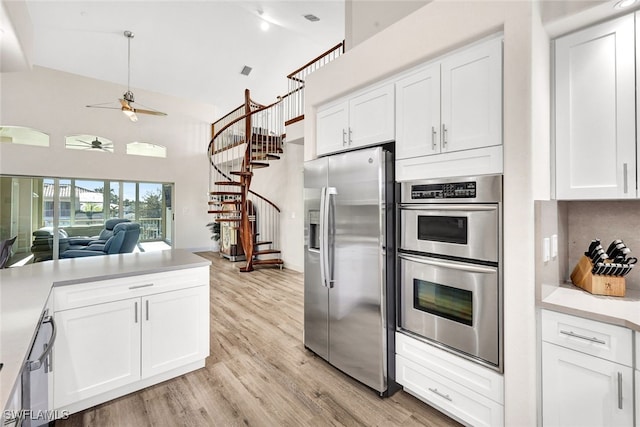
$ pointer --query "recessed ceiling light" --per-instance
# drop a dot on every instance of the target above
(624, 3)
(311, 17)
(264, 25)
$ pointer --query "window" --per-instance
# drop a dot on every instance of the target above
(91, 143)
(23, 136)
(79, 207)
(146, 149)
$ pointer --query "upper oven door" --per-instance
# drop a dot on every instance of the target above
(465, 231)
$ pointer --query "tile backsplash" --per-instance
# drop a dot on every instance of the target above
(605, 220)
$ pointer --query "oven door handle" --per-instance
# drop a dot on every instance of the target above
(449, 264)
(438, 207)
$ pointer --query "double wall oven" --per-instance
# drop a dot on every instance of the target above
(450, 265)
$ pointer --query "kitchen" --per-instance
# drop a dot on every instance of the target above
(526, 49)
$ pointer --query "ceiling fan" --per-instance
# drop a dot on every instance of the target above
(96, 144)
(127, 100)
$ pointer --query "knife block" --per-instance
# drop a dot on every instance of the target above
(595, 283)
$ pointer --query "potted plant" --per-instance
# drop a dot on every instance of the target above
(214, 227)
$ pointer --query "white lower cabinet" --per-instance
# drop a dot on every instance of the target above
(97, 349)
(466, 391)
(587, 379)
(105, 349)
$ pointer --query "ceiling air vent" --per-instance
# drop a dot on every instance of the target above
(311, 17)
(245, 70)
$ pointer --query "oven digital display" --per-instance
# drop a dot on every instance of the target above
(443, 301)
(447, 229)
(452, 190)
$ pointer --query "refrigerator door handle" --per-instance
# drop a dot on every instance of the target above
(330, 191)
(323, 240)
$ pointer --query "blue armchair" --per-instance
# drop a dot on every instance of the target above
(124, 240)
(107, 231)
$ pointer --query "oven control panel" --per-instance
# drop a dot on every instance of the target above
(449, 190)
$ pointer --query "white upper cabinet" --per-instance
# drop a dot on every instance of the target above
(454, 104)
(472, 97)
(332, 127)
(362, 119)
(595, 112)
(418, 113)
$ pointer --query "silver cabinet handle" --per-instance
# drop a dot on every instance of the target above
(147, 307)
(582, 337)
(619, 390)
(433, 137)
(444, 136)
(136, 310)
(141, 286)
(350, 136)
(344, 137)
(444, 396)
(625, 179)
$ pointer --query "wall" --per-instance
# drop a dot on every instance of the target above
(364, 18)
(283, 183)
(431, 31)
(54, 102)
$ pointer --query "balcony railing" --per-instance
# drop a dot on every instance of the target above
(294, 100)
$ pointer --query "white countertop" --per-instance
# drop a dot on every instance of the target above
(622, 311)
(24, 292)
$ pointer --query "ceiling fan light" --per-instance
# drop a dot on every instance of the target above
(132, 115)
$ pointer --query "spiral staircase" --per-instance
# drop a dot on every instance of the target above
(249, 138)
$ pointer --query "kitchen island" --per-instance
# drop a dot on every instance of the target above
(26, 291)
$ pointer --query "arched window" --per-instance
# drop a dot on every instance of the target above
(23, 135)
(146, 149)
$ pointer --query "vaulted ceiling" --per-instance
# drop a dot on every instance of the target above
(190, 49)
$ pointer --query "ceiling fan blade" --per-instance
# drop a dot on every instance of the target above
(125, 103)
(102, 106)
(153, 112)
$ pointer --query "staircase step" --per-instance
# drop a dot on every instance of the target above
(230, 202)
(224, 193)
(263, 156)
(241, 173)
(262, 243)
(267, 252)
(225, 212)
(258, 165)
(228, 183)
(228, 220)
(268, 262)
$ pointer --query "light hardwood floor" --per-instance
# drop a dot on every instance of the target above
(259, 373)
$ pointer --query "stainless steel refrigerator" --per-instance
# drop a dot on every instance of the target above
(349, 296)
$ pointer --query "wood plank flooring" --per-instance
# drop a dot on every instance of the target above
(259, 373)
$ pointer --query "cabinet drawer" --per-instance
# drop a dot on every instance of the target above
(481, 380)
(448, 396)
(84, 294)
(599, 339)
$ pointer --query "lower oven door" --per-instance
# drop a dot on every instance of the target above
(452, 303)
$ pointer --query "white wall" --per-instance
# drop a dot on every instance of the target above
(54, 102)
(364, 18)
(283, 183)
(431, 31)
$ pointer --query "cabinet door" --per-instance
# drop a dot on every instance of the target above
(472, 97)
(97, 349)
(595, 104)
(332, 127)
(175, 329)
(371, 117)
(582, 390)
(418, 113)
